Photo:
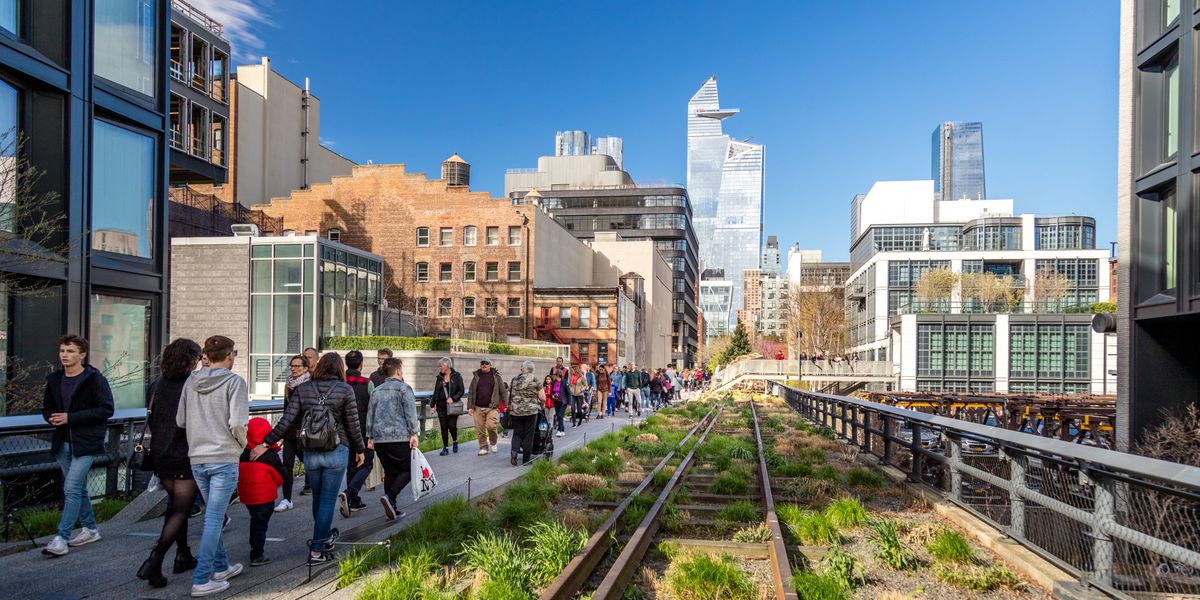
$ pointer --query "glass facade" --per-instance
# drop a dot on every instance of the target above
(124, 181)
(126, 43)
(10, 15)
(9, 128)
(716, 302)
(1066, 236)
(120, 345)
(992, 236)
(1049, 357)
(957, 161)
(956, 357)
(1083, 273)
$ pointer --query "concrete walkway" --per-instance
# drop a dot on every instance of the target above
(106, 569)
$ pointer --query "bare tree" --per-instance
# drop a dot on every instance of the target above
(713, 348)
(993, 293)
(1049, 289)
(935, 287)
(1160, 513)
(820, 315)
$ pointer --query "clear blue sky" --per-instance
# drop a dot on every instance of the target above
(842, 93)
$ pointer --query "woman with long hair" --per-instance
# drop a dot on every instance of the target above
(169, 453)
(298, 373)
(324, 467)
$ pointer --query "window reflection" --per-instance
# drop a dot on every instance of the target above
(9, 98)
(125, 43)
(123, 181)
(120, 340)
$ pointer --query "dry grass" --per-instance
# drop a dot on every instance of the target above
(646, 438)
(577, 483)
(922, 533)
(578, 519)
(891, 596)
(784, 443)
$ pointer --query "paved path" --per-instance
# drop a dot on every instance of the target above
(106, 569)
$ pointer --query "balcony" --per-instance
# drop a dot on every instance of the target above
(175, 137)
(177, 71)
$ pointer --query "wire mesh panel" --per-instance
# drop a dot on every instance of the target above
(1167, 514)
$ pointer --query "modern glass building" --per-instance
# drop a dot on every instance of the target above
(716, 302)
(957, 166)
(725, 183)
(572, 143)
(611, 146)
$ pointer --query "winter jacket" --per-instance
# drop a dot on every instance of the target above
(214, 410)
(339, 397)
(88, 411)
(257, 479)
(603, 381)
(392, 415)
(378, 377)
(656, 385)
(591, 379)
(499, 390)
(168, 443)
(523, 396)
(439, 390)
(362, 395)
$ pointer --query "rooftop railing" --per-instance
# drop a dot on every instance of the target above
(195, 14)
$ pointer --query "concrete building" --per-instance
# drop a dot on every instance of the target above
(807, 271)
(612, 146)
(638, 258)
(198, 130)
(273, 296)
(764, 303)
(1158, 318)
(971, 339)
(658, 213)
(85, 86)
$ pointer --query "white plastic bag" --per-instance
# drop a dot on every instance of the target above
(422, 481)
(152, 485)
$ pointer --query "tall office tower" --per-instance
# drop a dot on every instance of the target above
(770, 256)
(957, 166)
(612, 146)
(725, 183)
(572, 143)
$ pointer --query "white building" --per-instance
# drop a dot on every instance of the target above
(611, 146)
(900, 230)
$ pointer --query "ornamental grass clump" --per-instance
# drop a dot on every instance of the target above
(806, 526)
(889, 548)
(704, 577)
(738, 513)
(551, 546)
(578, 483)
(950, 546)
(846, 513)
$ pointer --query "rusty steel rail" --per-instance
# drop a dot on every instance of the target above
(781, 569)
(612, 587)
(575, 575)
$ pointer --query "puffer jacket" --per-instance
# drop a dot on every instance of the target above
(392, 414)
(88, 411)
(338, 396)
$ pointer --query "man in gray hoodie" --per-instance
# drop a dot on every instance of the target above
(214, 410)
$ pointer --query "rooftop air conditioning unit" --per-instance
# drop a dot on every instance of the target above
(244, 229)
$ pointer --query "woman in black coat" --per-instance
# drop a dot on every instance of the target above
(169, 453)
(447, 388)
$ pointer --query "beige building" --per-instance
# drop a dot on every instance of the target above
(640, 258)
(591, 171)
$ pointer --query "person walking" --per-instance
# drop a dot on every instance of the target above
(487, 393)
(646, 389)
(633, 389)
(392, 429)
(558, 368)
(214, 411)
(589, 394)
(78, 402)
(578, 387)
(603, 389)
(330, 432)
(621, 379)
(526, 397)
(356, 476)
(561, 391)
(169, 455)
(311, 356)
(447, 389)
(299, 373)
(378, 376)
(257, 481)
(656, 389)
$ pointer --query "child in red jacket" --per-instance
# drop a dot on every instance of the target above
(257, 480)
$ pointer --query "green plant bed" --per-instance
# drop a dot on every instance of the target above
(846, 512)
(813, 586)
(950, 546)
(430, 344)
(863, 477)
(731, 483)
(807, 526)
(738, 513)
(703, 577)
(43, 521)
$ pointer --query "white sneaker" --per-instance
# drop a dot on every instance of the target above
(233, 571)
(283, 505)
(56, 547)
(492, 448)
(85, 536)
(482, 452)
(207, 589)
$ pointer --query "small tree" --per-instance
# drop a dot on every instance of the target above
(1049, 289)
(935, 288)
(820, 314)
(713, 350)
(739, 344)
(993, 293)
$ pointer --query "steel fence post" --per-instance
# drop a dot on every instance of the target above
(112, 472)
(854, 424)
(914, 446)
(1016, 504)
(843, 410)
(866, 420)
(887, 438)
(1103, 511)
(955, 461)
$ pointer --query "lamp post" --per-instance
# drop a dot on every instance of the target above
(799, 361)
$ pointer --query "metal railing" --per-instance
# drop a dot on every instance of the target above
(977, 307)
(196, 15)
(812, 370)
(1123, 524)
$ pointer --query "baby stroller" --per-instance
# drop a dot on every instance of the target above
(543, 435)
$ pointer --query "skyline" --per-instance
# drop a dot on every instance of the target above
(842, 99)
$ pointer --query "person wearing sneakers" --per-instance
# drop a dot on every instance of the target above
(487, 392)
(257, 480)
(78, 403)
(213, 411)
(348, 500)
(447, 389)
(391, 432)
(300, 373)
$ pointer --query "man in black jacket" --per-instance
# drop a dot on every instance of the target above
(78, 403)
(356, 476)
(378, 376)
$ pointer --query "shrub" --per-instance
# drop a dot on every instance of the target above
(703, 577)
(846, 512)
(811, 586)
(842, 566)
(358, 342)
(738, 512)
(950, 546)
(979, 579)
(577, 483)
(862, 477)
(753, 535)
(889, 548)
(552, 548)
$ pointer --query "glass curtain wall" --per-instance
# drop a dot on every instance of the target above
(126, 43)
(120, 345)
(1049, 358)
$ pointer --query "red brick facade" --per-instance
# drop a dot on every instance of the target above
(591, 338)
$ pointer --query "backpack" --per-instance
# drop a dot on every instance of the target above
(318, 426)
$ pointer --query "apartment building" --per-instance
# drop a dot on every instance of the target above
(198, 129)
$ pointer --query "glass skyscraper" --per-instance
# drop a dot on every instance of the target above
(572, 143)
(957, 165)
(612, 146)
(725, 183)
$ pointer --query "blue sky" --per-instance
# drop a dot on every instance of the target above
(842, 93)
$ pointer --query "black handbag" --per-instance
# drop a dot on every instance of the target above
(140, 458)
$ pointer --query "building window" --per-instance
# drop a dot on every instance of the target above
(564, 317)
(602, 353)
(585, 317)
(514, 235)
(602, 317)
(1048, 353)
(124, 180)
(9, 131)
(1170, 242)
(422, 307)
(493, 236)
(514, 307)
(468, 307)
(1171, 109)
(514, 271)
(422, 272)
(469, 271)
(584, 351)
(469, 234)
(126, 43)
(445, 306)
(491, 307)
(446, 236)
(422, 237)
(491, 271)
(10, 16)
(445, 272)
(217, 154)
(123, 326)
(335, 235)
(220, 76)
(956, 351)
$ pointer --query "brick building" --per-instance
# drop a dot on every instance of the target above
(602, 324)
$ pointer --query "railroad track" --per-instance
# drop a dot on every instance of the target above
(591, 573)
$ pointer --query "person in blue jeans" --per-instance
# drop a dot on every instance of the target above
(214, 411)
(78, 402)
(324, 467)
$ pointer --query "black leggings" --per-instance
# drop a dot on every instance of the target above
(397, 472)
(181, 493)
(449, 426)
(524, 428)
(291, 451)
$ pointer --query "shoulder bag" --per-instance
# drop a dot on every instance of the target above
(456, 408)
(140, 458)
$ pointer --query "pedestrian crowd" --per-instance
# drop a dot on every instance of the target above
(205, 448)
